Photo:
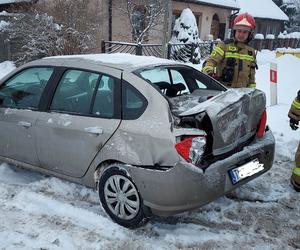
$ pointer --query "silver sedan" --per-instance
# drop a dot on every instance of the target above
(152, 136)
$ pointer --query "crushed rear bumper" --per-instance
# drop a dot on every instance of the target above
(185, 187)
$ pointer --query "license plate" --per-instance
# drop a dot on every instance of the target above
(244, 171)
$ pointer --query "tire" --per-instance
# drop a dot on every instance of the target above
(120, 198)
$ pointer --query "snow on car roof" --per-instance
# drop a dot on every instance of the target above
(118, 60)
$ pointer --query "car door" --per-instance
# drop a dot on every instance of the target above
(82, 116)
(19, 100)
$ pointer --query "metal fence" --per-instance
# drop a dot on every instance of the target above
(181, 52)
(189, 52)
(132, 48)
(173, 51)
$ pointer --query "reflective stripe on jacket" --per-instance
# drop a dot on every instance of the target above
(234, 63)
(294, 111)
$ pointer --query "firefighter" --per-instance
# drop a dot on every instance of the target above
(294, 115)
(233, 62)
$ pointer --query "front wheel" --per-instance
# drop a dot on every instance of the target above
(120, 198)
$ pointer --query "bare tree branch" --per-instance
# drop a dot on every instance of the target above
(143, 15)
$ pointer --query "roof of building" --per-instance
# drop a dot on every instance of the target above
(227, 4)
(262, 9)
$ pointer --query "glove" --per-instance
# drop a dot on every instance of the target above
(213, 75)
(294, 124)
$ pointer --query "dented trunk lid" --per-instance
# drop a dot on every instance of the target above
(234, 115)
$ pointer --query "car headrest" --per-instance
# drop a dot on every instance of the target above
(162, 85)
(180, 86)
(173, 90)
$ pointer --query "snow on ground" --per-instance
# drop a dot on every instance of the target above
(40, 212)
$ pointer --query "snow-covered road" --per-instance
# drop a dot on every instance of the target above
(39, 212)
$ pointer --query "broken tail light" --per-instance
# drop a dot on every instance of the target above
(262, 125)
(191, 148)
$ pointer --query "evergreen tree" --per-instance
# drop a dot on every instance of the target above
(185, 38)
(292, 9)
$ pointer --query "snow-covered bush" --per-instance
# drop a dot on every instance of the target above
(34, 33)
(185, 39)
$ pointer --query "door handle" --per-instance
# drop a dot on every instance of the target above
(95, 131)
(24, 124)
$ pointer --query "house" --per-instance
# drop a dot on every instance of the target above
(212, 16)
(268, 16)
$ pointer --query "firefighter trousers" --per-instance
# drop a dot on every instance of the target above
(295, 178)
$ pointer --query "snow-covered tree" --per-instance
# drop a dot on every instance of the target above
(143, 15)
(84, 16)
(35, 33)
(292, 9)
(185, 39)
(32, 35)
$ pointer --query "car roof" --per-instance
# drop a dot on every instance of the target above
(121, 61)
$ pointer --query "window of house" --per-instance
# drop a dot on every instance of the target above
(25, 89)
(138, 21)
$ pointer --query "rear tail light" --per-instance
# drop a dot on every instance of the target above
(262, 125)
(191, 148)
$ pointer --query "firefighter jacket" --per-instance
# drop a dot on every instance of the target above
(234, 64)
(294, 113)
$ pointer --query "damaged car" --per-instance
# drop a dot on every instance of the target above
(151, 135)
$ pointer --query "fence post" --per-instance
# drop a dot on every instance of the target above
(211, 47)
(192, 53)
(294, 43)
(102, 46)
(291, 42)
(139, 49)
(269, 43)
(9, 55)
(169, 51)
(286, 43)
(280, 43)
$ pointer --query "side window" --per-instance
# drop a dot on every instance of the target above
(133, 102)
(200, 84)
(159, 77)
(74, 92)
(25, 89)
(178, 79)
(156, 75)
(104, 104)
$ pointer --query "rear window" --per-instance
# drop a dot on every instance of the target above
(174, 81)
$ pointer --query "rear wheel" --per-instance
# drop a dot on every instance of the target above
(121, 199)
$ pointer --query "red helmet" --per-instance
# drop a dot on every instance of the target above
(244, 21)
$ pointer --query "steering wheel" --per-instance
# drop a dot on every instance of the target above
(6, 99)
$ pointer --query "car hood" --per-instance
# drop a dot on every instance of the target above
(234, 115)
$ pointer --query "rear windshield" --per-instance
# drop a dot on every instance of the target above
(174, 81)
